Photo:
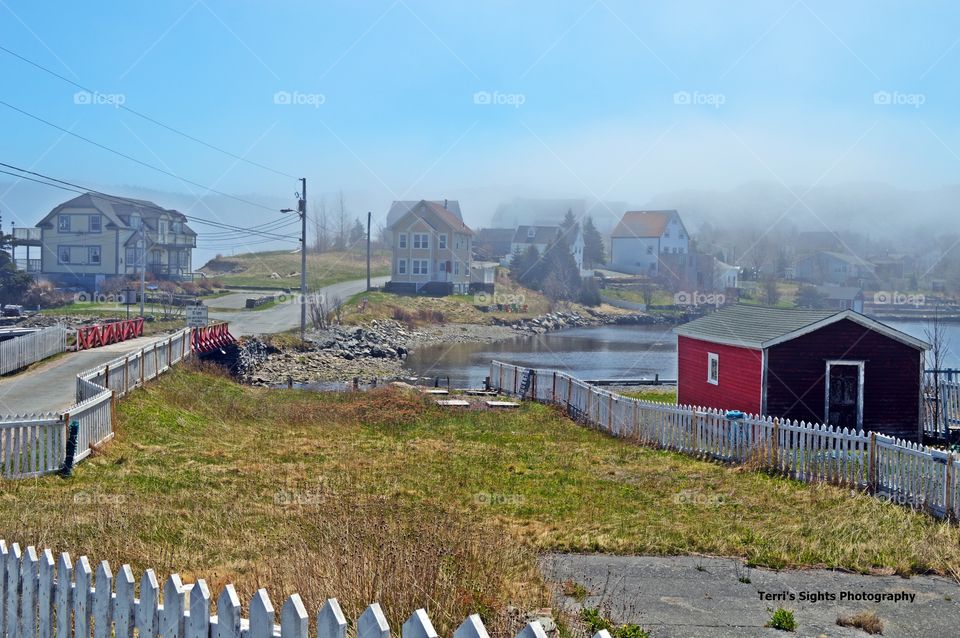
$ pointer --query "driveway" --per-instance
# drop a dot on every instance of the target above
(286, 314)
(51, 385)
(694, 597)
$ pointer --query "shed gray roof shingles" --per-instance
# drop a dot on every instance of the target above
(750, 326)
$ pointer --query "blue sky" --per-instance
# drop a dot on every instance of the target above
(482, 101)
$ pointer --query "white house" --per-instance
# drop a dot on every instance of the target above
(641, 237)
(537, 236)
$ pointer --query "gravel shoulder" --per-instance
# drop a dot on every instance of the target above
(700, 597)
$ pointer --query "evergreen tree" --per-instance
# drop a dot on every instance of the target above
(593, 252)
(357, 233)
(568, 227)
(14, 284)
(526, 267)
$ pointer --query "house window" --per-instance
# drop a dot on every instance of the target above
(134, 257)
(421, 240)
(402, 240)
(63, 254)
(713, 368)
(442, 241)
(666, 233)
(95, 223)
(401, 266)
(420, 267)
(441, 266)
(456, 267)
(135, 221)
(63, 223)
(649, 250)
(93, 255)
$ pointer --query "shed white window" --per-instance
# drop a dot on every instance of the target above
(713, 368)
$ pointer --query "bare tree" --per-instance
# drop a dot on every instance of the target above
(939, 340)
(342, 224)
(321, 229)
(318, 313)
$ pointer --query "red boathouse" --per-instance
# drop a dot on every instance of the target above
(818, 366)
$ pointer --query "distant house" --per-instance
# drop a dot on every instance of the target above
(819, 366)
(576, 248)
(842, 297)
(725, 275)
(537, 236)
(839, 269)
(95, 236)
(641, 237)
(492, 244)
(432, 250)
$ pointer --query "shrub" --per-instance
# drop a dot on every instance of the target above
(783, 620)
(595, 620)
(868, 621)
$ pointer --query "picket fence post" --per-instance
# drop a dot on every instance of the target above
(872, 469)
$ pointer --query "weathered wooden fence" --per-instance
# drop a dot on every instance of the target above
(893, 469)
(20, 352)
(43, 597)
(31, 445)
(941, 413)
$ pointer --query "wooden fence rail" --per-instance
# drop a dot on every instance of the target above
(20, 352)
(893, 469)
(46, 597)
(31, 445)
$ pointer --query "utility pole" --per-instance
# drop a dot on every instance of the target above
(303, 257)
(369, 216)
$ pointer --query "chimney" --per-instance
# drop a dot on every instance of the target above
(444, 204)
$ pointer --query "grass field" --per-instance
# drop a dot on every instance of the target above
(384, 496)
(661, 394)
(256, 269)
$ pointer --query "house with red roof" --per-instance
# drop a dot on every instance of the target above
(643, 238)
(431, 251)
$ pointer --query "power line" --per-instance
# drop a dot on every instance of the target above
(147, 117)
(77, 188)
(131, 158)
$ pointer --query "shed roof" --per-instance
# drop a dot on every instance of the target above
(759, 327)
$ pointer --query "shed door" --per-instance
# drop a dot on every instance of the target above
(844, 395)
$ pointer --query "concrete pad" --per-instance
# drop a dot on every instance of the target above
(502, 404)
(436, 391)
(453, 403)
(707, 597)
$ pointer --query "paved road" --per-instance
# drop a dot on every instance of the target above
(51, 386)
(284, 316)
(705, 598)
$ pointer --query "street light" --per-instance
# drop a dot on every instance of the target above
(302, 211)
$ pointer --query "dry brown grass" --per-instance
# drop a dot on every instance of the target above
(868, 621)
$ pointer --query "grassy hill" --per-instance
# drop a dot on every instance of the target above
(383, 495)
(281, 269)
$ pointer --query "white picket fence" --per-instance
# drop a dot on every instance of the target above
(31, 445)
(893, 469)
(44, 598)
(20, 352)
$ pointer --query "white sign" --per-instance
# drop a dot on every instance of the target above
(196, 316)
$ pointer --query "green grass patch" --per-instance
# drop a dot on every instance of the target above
(257, 487)
(257, 270)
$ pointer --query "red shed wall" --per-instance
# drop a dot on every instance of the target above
(740, 376)
(891, 385)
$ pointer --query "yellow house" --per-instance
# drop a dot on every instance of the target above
(431, 251)
(95, 236)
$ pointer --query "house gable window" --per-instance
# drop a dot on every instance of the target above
(63, 223)
(401, 266)
(421, 240)
(713, 368)
(442, 241)
(96, 223)
(402, 240)
(93, 255)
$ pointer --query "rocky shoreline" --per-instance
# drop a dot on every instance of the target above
(376, 351)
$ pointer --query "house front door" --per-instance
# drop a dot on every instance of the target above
(845, 395)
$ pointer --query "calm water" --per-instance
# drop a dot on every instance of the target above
(607, 352)
(589, 353)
